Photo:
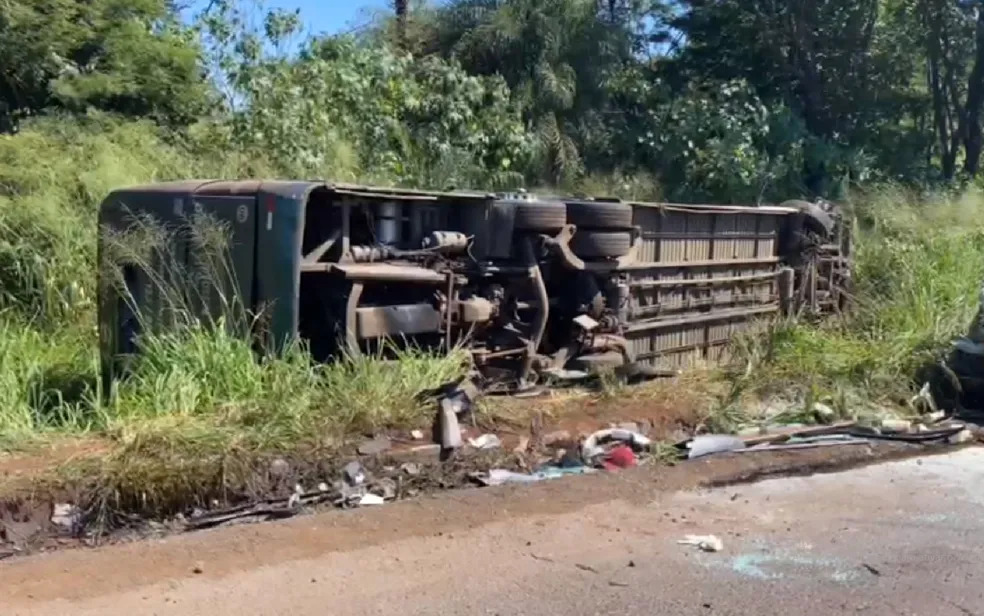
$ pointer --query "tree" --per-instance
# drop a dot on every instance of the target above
(954, 43)
(401, 9)
(815, 56)
(127, 56)
(556, 56)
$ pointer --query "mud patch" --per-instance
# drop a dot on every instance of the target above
(24, 525)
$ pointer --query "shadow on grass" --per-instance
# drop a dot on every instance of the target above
(63, 396)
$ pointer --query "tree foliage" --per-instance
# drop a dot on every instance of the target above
(132, 57)
(729, 100)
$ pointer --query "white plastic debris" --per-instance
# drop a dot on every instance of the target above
(964, 436)
(486, 441)
(323, 487)
(417, 435)
(371, 499)
(65, 515)
(707, 543)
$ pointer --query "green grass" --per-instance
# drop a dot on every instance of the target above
(201, 409)
(918, 273)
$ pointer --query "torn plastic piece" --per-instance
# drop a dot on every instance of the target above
(710, 444)
(707, 543)
(486, 441)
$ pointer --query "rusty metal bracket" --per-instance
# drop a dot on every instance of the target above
(560, 244)
(315, 255)
(633, 254)
(351, 316)
(542, 313)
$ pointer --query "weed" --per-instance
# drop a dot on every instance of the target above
(918, 271)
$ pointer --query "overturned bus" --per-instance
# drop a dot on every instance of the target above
(530, 286)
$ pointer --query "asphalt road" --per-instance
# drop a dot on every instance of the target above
(903, 537)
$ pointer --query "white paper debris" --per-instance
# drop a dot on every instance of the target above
(707, 543)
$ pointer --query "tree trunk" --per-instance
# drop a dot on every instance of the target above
(945, 133)
(402, 9)
(975, 100)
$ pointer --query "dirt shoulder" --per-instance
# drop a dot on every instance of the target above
(225, 551)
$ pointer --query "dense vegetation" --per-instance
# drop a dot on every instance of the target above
(875, 102)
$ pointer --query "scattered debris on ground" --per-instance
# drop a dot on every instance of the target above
(393, 466)
(486, 441)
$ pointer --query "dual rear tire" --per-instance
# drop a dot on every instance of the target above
(604, 229)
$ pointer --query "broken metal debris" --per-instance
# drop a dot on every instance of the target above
(709, 444)
(844, 433)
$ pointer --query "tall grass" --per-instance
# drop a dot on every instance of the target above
(198, 385)
(919, 266)
(201, 405)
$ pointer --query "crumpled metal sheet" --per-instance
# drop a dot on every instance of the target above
(709, 444)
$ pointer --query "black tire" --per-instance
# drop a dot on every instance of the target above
(599, 215)
(601, 244)
(596, 363)
(540, 215)
(814, 217)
